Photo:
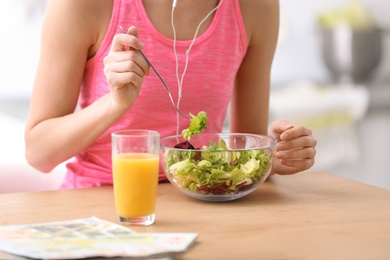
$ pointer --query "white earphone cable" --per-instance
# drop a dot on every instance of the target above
(178, 78)
(177, 64)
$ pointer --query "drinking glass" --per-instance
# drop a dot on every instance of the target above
(135, 166)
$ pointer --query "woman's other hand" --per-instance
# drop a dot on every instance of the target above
(295, 150)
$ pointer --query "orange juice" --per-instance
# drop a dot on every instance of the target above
(135, 178)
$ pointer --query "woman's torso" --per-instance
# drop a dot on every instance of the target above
(214, 60)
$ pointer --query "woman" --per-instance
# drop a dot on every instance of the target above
(211, 53)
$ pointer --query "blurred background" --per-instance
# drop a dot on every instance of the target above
(331, 72)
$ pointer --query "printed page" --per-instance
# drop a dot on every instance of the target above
(86, 238)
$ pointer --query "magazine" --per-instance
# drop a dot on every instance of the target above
(88, 238)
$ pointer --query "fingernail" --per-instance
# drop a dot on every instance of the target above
(140, 44)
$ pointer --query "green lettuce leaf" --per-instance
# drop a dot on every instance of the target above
(197, 125)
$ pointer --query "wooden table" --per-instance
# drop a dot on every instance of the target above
(311, 215)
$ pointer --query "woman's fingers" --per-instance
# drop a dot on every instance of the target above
(295, 132)
(302, 153)
(127, 61)
(298, 165)
(280, 126)
(125, 65)
(300, 142)
(295, 150)
(122, 41)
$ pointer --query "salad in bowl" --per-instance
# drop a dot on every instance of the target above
(217, 166)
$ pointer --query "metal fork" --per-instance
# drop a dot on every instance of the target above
(158, 74)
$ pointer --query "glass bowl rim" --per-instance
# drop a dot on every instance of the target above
(272, 145)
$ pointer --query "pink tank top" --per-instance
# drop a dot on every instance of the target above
(213, 63)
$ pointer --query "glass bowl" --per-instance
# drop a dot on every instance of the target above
(233, 166)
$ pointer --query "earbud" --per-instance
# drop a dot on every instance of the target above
(174, 3)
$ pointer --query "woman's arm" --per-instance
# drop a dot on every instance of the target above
(295, 150)
(250, 103)
(71, 34)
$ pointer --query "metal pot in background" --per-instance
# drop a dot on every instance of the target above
(351, 55)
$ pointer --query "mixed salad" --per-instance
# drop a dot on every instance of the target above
(214, 169)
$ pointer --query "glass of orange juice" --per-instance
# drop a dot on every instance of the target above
(135, 166)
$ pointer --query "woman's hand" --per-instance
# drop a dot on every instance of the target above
(125, 68)
(295, 150)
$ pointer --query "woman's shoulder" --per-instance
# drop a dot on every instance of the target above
(259, 3)
(85, 20)
(86, 10)
(259, 9)
(257, 13)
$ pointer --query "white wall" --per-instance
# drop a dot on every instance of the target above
(20, 27)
